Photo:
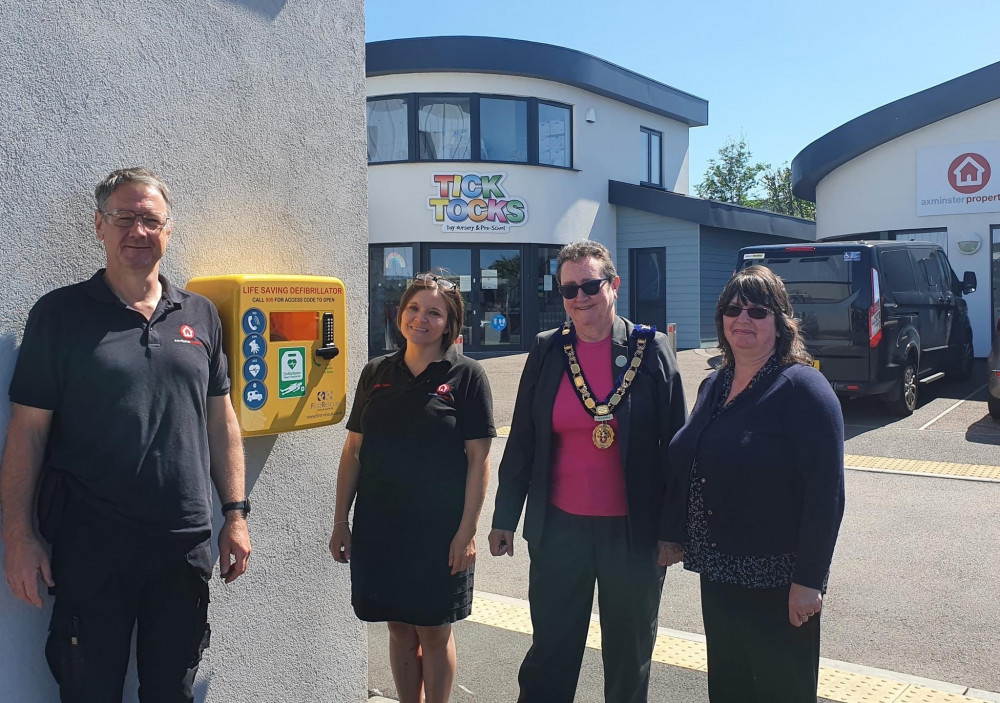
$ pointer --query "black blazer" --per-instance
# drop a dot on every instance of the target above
(649, 415)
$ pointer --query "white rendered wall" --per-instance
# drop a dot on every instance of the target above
(877, 192)
(253, 111)
(563, 205)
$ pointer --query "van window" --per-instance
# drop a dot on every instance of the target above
(897, 272)
(948, 278)
(813, 279)
(930, 270)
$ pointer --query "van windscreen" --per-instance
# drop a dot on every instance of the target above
(826, 278)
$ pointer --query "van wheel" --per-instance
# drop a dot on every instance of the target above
(961, 368)
(907, 401)
(994, 406)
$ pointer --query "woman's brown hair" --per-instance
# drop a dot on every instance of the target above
(452, 300)
(759, 285)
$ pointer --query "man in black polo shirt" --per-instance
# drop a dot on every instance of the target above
(121, 418)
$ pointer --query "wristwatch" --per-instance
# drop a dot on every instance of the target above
(241, 505)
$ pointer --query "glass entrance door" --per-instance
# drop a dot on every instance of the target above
(499, 308)
(458, 263)
(489, 279)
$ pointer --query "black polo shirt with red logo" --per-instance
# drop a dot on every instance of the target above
(415, 427)
(129, 401)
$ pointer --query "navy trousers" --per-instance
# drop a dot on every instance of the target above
(577, 552)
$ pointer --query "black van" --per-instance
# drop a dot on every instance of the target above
(879, 318)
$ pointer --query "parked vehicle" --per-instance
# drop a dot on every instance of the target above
(879, 318)
(993, 371)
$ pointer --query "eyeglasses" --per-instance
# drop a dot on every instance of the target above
(590, 287)
(754, 313)
(428, 278)
(126, 218)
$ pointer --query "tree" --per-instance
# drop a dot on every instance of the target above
(732, 177)
(779, 197)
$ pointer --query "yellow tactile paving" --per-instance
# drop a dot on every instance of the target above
(834, 684)
(503, 431)
(923, 694)
(849, 687)
(940, 468)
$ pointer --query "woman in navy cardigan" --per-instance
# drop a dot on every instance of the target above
(759, 477)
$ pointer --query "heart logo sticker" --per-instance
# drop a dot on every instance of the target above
(254, 369)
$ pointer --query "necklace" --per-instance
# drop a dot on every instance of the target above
(603, 412)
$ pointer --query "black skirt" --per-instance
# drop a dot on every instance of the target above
(401, 537)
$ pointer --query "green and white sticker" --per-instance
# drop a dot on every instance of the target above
(292, 372)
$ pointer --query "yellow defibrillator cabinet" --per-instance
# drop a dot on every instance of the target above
(285, 338)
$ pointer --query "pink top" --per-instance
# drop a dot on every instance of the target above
(586, 480)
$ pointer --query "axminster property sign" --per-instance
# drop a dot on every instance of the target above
(958, 179)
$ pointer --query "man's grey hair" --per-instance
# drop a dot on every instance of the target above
(588, 248)
(138, 174)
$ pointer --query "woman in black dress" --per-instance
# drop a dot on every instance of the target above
(417, 460)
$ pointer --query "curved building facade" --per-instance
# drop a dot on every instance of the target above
(925, 167)
(487, 155)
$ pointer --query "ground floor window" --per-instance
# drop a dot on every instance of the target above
(510, 291)
(551, 312)
(648, 289)
(995, 271)
(390, 270)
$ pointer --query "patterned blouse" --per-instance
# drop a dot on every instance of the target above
(749, 571)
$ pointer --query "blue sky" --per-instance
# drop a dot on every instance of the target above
(782, 72)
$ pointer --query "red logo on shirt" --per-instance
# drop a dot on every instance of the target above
(187, 331)
(444, 393)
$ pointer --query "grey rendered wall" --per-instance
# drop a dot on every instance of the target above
(719, 251)
(253, 111)
(637, 229)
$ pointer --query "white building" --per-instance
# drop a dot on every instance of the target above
(487, 155)
(919, 168)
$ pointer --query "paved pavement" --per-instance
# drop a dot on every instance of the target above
(913, 589)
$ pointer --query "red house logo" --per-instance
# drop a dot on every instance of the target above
(969, 173)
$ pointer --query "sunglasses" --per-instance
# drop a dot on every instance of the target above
(429, 278)
(754, 313)
(591, 287)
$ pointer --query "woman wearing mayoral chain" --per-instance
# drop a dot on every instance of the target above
(598, 403)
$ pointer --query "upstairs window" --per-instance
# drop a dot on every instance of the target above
(650, 157)
(553, 135)
(503, 130)
(444, 129)
(388, 125)
(469, 127)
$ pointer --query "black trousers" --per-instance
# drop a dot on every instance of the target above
(577, 551)
(754, 653)
(107, 581)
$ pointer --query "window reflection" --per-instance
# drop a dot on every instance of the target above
(503, 127)
(387, 132)
(390, 269)
(553, 135)
(444, 129)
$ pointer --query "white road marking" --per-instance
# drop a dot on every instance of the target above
(938, 417)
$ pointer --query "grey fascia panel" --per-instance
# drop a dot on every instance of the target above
(516, 57)
(888, 122)
(709, 213)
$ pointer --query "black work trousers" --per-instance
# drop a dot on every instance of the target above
(108, 580)
(754, 654)
(575, 552)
